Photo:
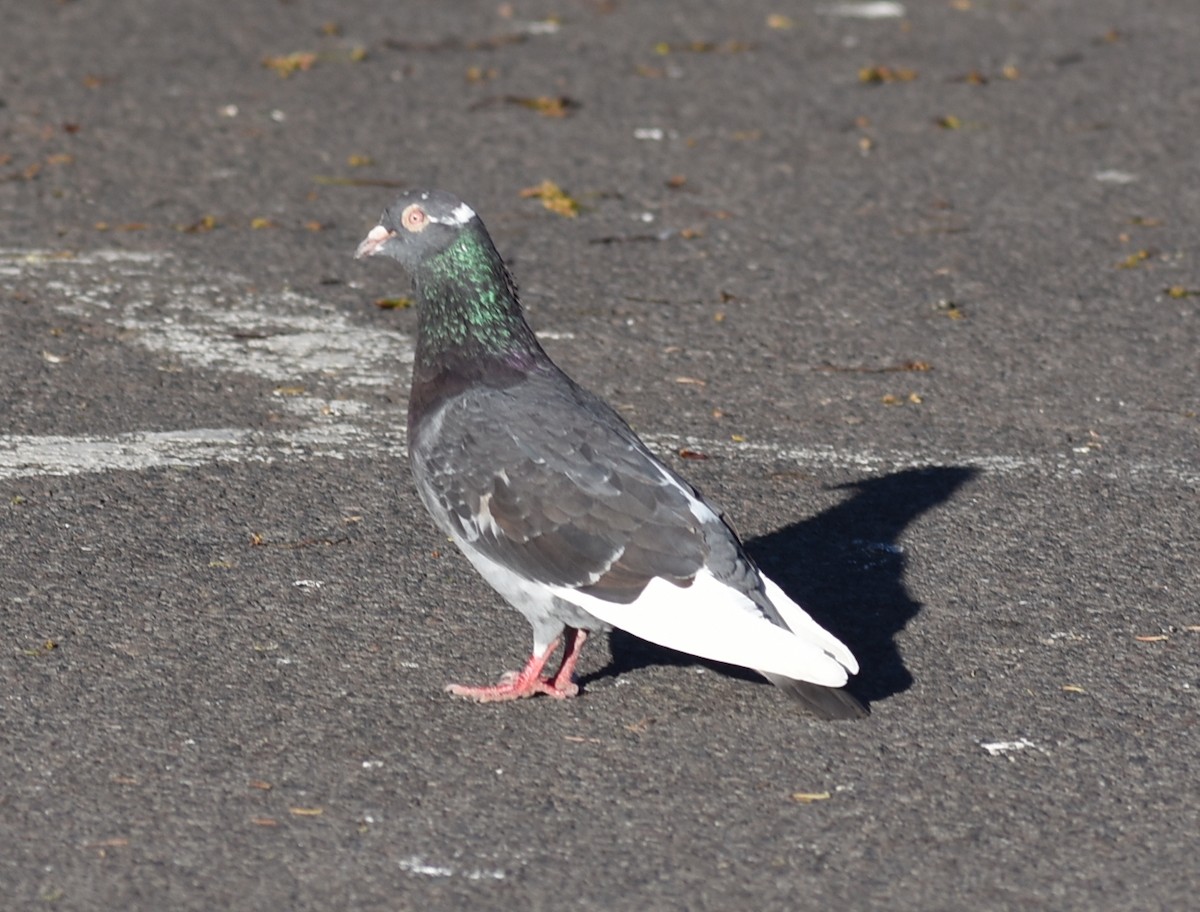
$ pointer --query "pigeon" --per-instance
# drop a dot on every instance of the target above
(555, 500)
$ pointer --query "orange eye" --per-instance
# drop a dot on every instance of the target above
(414, 218)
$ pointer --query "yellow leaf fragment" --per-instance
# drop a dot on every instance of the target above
(477, 74)
(703, 47)
(554, 198)
(949, 122)
(546, 105)
(779, 22)
(205, 223)
(879, 75)
(1135, 259)
(400, 303)
(259, 223)
(810, 797)
(359, 161)
(288, 64)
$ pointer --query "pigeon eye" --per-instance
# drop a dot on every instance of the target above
(414, 218)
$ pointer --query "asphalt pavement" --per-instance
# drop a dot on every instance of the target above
(910, 290)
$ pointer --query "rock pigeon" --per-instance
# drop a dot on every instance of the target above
(557, 502)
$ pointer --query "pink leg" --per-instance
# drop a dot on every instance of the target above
(529, 681)
(563, 682)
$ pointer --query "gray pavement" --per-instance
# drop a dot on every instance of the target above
(913, 297)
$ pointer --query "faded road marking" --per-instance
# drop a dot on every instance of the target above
(219, 321)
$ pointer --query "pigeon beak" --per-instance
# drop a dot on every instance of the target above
(375, 239)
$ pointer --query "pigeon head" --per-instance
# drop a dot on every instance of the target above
(418, 225)
(469, 309)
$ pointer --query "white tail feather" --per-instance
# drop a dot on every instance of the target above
(804, 626)
(714, 621)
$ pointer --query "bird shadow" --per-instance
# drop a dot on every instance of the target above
(845, 566)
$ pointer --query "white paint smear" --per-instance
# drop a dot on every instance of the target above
(415, 865)
(1113, 176)
(998, 748)
(217, 323)
(879, 10)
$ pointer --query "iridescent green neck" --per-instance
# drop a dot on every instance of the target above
(469, 306)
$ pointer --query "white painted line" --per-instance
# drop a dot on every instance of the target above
(23, 456)
(219, 321)
(38, 456)
(1065, 466)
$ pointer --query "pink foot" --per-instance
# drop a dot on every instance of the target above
(528, 682)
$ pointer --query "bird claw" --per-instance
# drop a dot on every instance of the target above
(511, 687)
(528, 682)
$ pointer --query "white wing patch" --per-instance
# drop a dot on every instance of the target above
(714, 621)
(484, 521)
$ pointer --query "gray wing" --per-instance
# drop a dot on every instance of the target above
(546, 479)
